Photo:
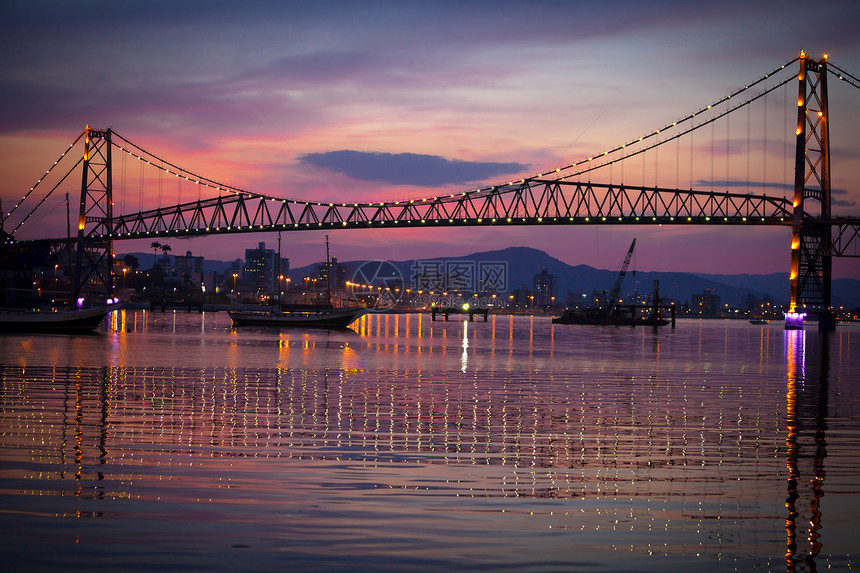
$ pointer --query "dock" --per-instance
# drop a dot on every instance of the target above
(448, 310)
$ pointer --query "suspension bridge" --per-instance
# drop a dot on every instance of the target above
(570, 195)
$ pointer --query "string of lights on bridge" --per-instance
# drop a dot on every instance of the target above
(42, 178)
(590, 163)
(141, 154)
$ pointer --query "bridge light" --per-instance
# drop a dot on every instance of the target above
(509, 219)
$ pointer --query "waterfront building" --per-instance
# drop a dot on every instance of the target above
(338, 274)
(259, 270)
(189, 265)
(545, 289)
(705, 304)
(521, 298)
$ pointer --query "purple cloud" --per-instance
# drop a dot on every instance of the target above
(409, 168)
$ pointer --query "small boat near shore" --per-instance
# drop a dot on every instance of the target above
(54, 321)
(758, 321)
(307, 318)
(301, 315)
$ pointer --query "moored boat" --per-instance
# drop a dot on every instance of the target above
(323, 318)
(71, 321)
(597, 316)
(758, 321)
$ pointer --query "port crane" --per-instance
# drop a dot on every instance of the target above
(612, 313)
(612, 299)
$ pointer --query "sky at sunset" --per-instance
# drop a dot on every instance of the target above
(351, 101)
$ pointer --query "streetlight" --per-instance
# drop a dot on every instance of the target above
(235, 276)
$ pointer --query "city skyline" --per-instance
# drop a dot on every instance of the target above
(382, 102)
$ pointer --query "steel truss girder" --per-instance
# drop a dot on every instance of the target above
(531, 202)
(845, 237)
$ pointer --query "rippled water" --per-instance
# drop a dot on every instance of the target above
(170, 441)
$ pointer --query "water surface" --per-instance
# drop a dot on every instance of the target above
(172, 441)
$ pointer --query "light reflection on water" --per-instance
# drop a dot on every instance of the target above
(171, 440)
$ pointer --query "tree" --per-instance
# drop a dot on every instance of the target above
(164, 250)
(155, 245)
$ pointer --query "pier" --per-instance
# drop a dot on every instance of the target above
(448, 310)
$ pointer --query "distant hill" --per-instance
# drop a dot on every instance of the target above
(523, 263)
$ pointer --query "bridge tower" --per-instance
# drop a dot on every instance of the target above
(94, 264)
(811, 249)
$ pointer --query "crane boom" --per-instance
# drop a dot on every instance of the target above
(616, 288)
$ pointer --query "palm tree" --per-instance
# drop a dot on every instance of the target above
(164, 250)
(154, 245)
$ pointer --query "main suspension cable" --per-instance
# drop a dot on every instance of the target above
(844, 76)
(45, 198)
(42, 178)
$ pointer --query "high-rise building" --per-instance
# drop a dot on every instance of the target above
(546, 287)
(338, 274)
(189, 265)
(705, 304)
(259, 271)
